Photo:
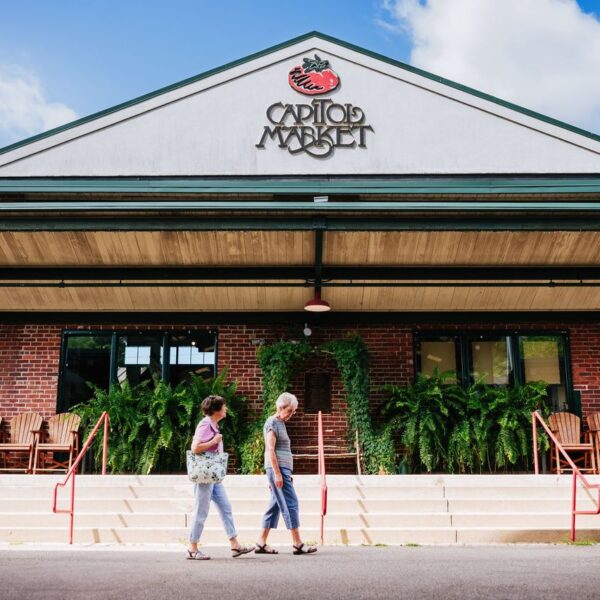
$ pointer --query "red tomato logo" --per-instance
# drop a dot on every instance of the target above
(315, 76)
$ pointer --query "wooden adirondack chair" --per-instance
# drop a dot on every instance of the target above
(62, 437)
(593, 420)
(24, 430)
(567, 428)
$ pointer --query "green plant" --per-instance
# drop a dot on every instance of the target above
(352, 359)
(423, 414)
(277, 362)
(443, 426)
(151, 424)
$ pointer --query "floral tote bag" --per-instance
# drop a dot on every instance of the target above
(208, 467)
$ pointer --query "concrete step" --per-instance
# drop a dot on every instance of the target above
(242, 520)
(428, 509)
(216, 536)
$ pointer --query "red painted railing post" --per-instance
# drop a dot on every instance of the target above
(72, 511)
(73, 471)
(535, 445)
(322, 473)
(573, 506)
(105, 445)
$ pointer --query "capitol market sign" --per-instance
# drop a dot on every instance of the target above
(323, 125)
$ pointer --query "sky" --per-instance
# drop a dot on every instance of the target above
(64, 59)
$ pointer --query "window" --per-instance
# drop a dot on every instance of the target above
(490, 360)
(500, 359)
(140, 357)
(191, 353)
(102, 357)
(317, 392)
(86, 359)
(543, 359)
(438, 355)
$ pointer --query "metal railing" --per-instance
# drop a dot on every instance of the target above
(72, 472)
(323, 475)
(536, 417)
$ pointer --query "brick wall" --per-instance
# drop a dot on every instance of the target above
(30, 356)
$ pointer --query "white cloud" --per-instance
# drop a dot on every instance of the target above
(24, 109)
(540, 54)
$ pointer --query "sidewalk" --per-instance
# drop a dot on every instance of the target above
(445, 573)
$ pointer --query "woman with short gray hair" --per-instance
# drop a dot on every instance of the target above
(279, 465)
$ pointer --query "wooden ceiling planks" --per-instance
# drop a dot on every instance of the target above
(462, 248)
(158, 248)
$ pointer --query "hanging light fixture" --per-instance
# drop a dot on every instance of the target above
(316, 304)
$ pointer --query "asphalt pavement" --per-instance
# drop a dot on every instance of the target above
(452, 572)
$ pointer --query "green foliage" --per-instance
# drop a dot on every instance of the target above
(443, 426)
(151, 426)
(352, 359)
(277, 362)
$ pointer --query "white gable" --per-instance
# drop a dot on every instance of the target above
(212, 127)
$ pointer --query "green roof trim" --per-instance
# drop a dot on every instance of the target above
(413, 185)
(301, 38)
(312, 207)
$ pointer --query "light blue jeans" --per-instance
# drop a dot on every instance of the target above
(283, 502)
(204, 493)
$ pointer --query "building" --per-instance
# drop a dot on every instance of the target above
(451, 229)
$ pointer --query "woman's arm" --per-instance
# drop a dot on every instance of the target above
(203, 446)
(271, 441)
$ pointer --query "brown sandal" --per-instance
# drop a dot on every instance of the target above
(303, 549)
(265, 549)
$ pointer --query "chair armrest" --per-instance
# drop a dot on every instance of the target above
(75, 435)
(37, 435)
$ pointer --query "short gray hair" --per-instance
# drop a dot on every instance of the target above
(286, 399)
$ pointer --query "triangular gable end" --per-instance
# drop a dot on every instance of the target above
(312, 106)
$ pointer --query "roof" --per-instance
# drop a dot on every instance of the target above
(288, 43)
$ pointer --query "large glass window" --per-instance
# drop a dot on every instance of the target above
(140, 357)
(490, 360)
(438, 355)
(191, 353)
(86, 360)
(102, 357)
(500, 359)
(543, 359)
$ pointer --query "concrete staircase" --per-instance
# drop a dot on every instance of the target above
(413, 509)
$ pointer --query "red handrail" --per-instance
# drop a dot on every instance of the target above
(73, 471)
(323, 476)
(536, 416)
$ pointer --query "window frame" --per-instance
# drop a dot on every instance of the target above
(115, 333)
(464, 338)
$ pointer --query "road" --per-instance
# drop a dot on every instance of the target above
(499, 572)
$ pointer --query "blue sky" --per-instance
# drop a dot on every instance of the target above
(90, 54)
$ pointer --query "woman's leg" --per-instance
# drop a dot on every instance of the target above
(219, 496)
(203, 495)
(271, 516)
(291, 502)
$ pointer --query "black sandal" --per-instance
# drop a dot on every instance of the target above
(301, 549)
(265, 549)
